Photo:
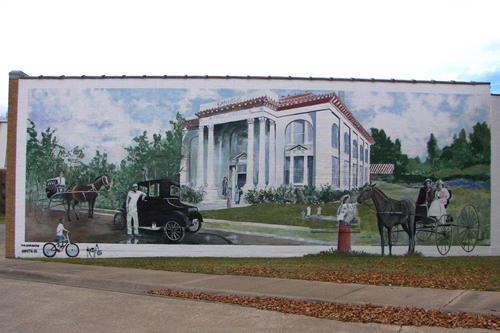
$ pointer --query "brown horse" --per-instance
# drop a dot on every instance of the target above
(391, 212)
(77, 193)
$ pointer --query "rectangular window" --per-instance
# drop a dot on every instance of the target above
(298, 170)
(355, 175)
(347, 143)
(310, 170)
(361, 176)
(287, 170)
(154, 190)
(346, 174)
(298, 132)
(335, 172)
(366, 155)
(335, 136)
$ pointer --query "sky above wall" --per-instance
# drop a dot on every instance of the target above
(108, 119)
(441, 40)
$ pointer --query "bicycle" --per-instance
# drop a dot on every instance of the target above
(72, 250)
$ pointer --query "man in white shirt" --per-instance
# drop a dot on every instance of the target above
(131, 204)
(60, 182)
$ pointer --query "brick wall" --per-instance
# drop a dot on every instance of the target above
(3, 179)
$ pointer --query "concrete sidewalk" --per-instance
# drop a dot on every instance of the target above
(136, 281)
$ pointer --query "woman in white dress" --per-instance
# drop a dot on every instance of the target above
(346, 212)
(441, 196)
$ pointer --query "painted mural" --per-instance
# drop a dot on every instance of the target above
(255, 167)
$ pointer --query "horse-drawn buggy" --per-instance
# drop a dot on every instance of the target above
(422, 224)
(443, 229)
(66, 198)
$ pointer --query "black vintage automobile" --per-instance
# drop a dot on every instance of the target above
(162, 210)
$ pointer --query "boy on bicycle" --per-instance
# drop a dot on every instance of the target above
(60, 238)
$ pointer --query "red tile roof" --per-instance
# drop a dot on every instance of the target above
(287, 103)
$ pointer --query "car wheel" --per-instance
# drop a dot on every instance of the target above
(195, 226)
(174, 231)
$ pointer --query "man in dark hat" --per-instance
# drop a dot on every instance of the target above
(425, 197)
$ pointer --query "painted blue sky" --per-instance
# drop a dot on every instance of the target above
(108, 119)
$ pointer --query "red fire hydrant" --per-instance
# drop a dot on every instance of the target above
(344, 238)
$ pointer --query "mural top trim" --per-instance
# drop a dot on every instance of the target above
(22, 75)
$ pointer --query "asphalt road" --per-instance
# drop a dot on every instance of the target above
(27, 306)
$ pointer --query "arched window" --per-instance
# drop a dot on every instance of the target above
(347, 143)
(299, 132)
(366, 155)
(361, 154)
(238, 141)
(355, 148)
(335, 136)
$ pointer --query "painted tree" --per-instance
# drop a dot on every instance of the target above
(386, 151)
(480, 143)
(433, 152)
(44, 159)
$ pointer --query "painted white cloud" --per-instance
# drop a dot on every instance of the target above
(419, 117)
(95, 123)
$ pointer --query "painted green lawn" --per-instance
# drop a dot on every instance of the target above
(289, 214)
(471, 272)
(2, 219)
(285, 214)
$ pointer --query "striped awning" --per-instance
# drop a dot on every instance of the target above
(381, 169)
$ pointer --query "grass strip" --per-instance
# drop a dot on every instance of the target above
(388, 315)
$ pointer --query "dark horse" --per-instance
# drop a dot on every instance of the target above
(77, 193)
(391, 212)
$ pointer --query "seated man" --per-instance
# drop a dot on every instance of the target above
(424, 200)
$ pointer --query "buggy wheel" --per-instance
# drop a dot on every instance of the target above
(174, 231)
(49, 250)
(425, 228)
(443, 237)
(119, 221)
(72, 250)
(468, 228)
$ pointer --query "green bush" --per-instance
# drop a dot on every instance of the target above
(299, 195)
(191, 195)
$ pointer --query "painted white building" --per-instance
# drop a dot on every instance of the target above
(262, 140)
(3, 144)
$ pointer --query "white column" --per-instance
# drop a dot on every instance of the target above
(272, 153)
(211, 190)
(261, 180)
(210, 156)
(183, 172)
(250, 141)
(280, 154)
(200, 167)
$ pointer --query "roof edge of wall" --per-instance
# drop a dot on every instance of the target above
(24, 76)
